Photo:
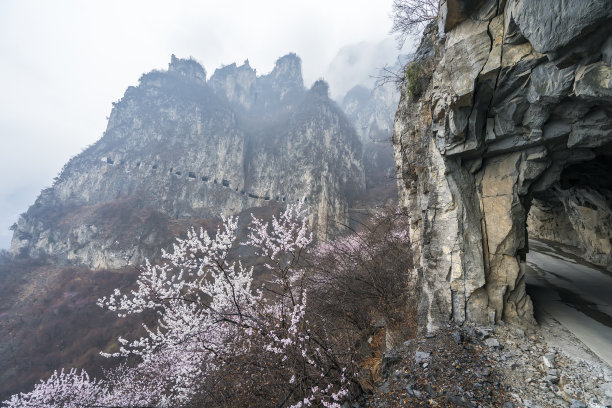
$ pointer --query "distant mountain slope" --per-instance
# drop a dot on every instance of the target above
(372, 112)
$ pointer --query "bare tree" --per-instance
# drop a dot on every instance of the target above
(390, 75)
(393, 74)
(411, 16)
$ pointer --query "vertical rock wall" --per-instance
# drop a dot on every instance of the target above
(507, 102)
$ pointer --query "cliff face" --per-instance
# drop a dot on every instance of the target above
(507, 108)
(372, 112)
(179, 147)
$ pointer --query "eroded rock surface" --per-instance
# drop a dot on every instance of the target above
(515, 112)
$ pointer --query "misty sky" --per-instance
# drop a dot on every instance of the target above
(62, 64)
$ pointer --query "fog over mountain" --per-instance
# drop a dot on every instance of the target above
(359, 64)
(64, 64)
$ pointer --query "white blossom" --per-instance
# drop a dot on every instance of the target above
(206, 303)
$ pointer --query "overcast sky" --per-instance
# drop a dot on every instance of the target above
(62, 64)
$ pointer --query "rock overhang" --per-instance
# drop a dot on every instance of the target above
(511, 104)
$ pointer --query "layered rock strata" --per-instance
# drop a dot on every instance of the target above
(508, 105)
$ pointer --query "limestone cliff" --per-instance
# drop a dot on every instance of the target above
(180, 147)
(506, 108)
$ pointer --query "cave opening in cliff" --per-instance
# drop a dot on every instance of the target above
(576, 211)
(569, 262)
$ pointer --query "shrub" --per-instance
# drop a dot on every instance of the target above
(219, 342)
(415, 78)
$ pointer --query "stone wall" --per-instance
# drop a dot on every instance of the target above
(513, 103)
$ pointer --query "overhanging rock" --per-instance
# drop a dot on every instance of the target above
(518, 110)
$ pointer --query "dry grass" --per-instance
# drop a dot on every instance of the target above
(372, 363)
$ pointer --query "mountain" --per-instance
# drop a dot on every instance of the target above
(180, 150)
(179, 146)
(372, 112)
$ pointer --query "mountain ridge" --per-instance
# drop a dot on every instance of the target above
(191, 148)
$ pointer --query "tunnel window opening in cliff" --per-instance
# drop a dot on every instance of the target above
(569, 235)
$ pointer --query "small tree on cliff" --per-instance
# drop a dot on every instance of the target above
(409, 19)
(411, 16)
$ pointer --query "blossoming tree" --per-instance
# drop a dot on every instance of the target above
(219, 340)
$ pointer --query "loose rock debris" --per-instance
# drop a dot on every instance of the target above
(500, 367)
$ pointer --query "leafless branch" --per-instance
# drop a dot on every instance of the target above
(411, 16)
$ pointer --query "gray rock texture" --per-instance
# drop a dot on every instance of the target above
(180, 147)
(514, 113)
(577, 216)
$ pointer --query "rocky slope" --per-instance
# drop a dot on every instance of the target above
(504, 366)
(180, 147)
(506, 107)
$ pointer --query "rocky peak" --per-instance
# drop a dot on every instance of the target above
(283, 86)
(356, 97)
(236, 83)
(372, 110)
(287, 72)
(320, 88)
(188, 68)
(179, 150)
(261, 95)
